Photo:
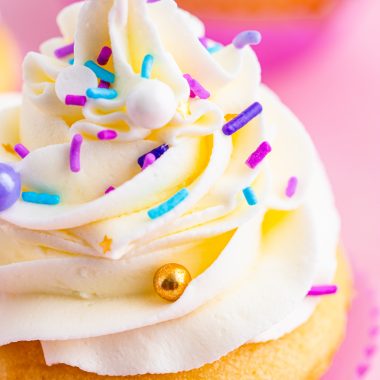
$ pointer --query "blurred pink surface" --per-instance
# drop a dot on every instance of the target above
(334, 89)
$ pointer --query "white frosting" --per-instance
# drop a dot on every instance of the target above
(251, 266)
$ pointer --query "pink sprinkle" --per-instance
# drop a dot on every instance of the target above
(21, 150)
(362, 369)
(107, 134)
(370, 351)
(322, 290)
(109, 190)
(103, 84)
(64, 51)
(258, 155)
(374, 331)
(75, 100)
(196, 89)
(104, 55)
(292, 187)
(75, 149)
(150, 158)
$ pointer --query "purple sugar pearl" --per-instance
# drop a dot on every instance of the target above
(10, 186)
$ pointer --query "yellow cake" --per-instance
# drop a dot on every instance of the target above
(162, 213)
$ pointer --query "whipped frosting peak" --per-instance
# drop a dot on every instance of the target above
(78, 275)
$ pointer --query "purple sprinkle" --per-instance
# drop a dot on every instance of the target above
(104, 55)
(109, 190)
(157, 152)
(204, 41)
(362, 369)
(258, 155)
(242, 119)
(292, 187)
(150, 158)
(107, 134)
(250, 37)
(322, 290)
(196, 89)
(64, 51)
(75, 148)
(21, 150)
(152, 1)
(75, 100)
(103, 84)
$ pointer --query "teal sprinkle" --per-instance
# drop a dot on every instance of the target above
(71, 61)
(250, 196)
(147, 66)
(42, 199)
(101, 73)
(215, 48)
(101, 93)
(169, 205)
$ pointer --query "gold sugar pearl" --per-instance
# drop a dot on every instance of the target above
(171, 281)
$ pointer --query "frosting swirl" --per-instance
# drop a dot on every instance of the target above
(78, 275)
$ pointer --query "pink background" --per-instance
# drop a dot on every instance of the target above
(328, 72)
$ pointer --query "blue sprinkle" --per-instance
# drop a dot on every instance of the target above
(42, 199)
(101, 93)
(169, 205)
(250, 196)
(158, 152)
(147, 66)
(101, 73)
(71, 61)
(215, 48)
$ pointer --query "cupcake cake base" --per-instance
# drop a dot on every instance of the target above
(306, 353)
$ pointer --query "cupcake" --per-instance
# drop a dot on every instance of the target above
(162, 213)
(9, 61)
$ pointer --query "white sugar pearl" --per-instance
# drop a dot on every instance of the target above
(74, 80)
(151, 104)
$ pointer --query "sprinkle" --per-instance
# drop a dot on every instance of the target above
(242, 119)
(75, 149)
(169, 205)
(101, 73)
(158, 152)
(149, 159)
(292, 187)
(250, 196)
(103, 84)
(21, 150)
(75, 100)
(109, 190)
(250, 37)
(362, 370)
(104, 55)
(8, 148)
(196, 88)
(322, 290)
(108, 134)
(258, 155)
(204, 41)
(64, 51)
(71, 61)
(41, 198)
(215, 48)
(101, 93)
(106, 244)
(147, 66)
(152, 1)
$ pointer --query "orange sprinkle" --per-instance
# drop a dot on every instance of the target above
(106, 244)
(8, 148)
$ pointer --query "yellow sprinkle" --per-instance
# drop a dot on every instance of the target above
(230, 116)
(106, 244)
(184, 108)
(8, 148)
